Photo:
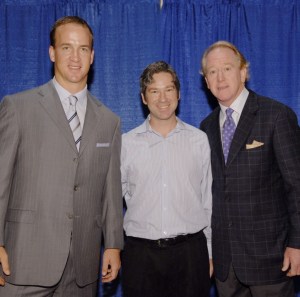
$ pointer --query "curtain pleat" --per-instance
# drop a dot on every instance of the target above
(130, 34)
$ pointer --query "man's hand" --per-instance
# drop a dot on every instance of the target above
(4, 264)
(111, 264)
(291, 261)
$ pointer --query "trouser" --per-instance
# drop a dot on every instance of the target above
(232, 287)
(162, 268)
(66, 287)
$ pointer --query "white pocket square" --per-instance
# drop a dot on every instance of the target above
(104, 144)
(254, 144)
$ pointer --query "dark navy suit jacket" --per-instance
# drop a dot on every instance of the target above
(256, 196)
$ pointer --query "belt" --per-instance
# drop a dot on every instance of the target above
(165, 242)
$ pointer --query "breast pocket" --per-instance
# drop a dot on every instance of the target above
(20, 216)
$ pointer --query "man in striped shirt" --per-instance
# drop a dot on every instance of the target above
(166, 180)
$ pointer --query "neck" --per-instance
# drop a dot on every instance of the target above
(164, 127)
(73, 88)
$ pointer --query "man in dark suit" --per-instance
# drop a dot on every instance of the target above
(255, 153)
(60, 184)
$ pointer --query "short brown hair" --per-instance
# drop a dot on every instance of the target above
(69, 20)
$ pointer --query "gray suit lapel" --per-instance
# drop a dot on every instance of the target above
(244, 127)
(92, 116)
(50, 101)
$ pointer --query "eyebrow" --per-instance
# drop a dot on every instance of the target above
(165, 87)
(70, 44)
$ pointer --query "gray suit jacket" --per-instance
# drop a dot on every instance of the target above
(50, 193)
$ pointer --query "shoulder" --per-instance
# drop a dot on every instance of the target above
(98, 105)
(30, 93)
(191, 130)
(131, 134)
(24, 100)
(134, 142)
(211, 118)
(269, 107)
(194, 137)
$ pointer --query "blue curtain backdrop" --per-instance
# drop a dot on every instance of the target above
(130, 34)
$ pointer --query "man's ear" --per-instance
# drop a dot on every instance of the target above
(243, 72)
(52, 53)
(143, 99)
(92, 56)
(207, 84)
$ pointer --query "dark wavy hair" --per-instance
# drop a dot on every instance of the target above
(146, 77)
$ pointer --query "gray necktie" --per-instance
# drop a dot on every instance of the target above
(228, 132)
(73, 119)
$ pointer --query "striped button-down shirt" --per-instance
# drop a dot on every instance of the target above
(166, 182)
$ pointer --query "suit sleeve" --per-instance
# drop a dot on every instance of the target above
(113, 204)
(286, 145)
(9, 137)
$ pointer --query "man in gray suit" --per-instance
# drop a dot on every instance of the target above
(57, 197)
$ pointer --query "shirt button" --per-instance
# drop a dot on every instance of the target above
(76, 188)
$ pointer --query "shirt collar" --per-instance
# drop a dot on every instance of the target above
(146, 127)
(238, 104)
(64, 94)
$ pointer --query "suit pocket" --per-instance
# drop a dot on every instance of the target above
(20, 216)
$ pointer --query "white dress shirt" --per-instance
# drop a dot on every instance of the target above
(237, 106)
(64, 98)
(166, 182)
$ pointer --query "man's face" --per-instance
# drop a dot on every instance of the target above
(161, 97)
(223, 75)
(72, 56)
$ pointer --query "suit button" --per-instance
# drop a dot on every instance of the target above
(230, 224)
(76, 188)
(70, 216)
(75, 160)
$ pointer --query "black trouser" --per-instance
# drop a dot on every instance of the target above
(232, 287)
(175, 268)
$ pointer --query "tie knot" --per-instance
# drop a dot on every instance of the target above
(229, 111)
(73, 100)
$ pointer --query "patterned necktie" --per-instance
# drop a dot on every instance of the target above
(228, 132)
(74, 121)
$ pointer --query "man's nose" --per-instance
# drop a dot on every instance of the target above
(75, 55)
(220, 75)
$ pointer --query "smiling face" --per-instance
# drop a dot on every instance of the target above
(72, 56)
(224, 75)
(161, 97)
